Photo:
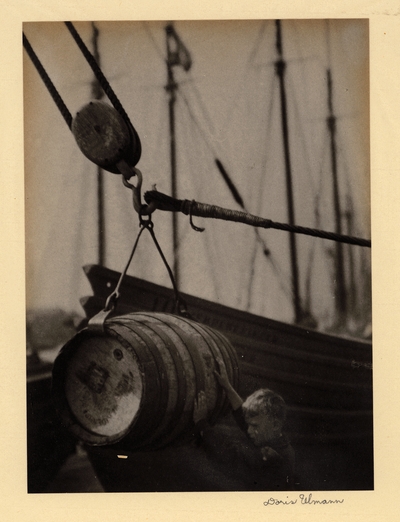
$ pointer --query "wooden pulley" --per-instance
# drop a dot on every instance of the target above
(105, 137)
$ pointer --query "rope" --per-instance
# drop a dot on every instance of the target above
(48, 83)
(194, 208)
(98, 73)
(95, 68)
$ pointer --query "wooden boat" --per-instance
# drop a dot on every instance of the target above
(326, 381)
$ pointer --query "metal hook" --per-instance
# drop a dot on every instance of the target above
(127, 172)
(197, 229)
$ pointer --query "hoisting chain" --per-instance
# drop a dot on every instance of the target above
(97, 322)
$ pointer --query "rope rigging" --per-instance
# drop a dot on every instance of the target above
(267, 253)
(231, 186)
(133, 152)
(98, 72)
(158, 200)
(47, 81)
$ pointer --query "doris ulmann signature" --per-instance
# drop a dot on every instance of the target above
(301, 499)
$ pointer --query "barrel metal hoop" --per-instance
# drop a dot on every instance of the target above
(161, 399)
(158, 327)
(199, 372)
(147, 367)
(231, 357)
(222, 343)
(193, 352)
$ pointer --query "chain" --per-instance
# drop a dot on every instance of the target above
(97, 322)
(180, 304)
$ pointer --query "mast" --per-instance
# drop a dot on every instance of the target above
(97, 94)
(177, 54)
(352, 297)
(280, 67)
(340, 288)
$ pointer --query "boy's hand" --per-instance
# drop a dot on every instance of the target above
(234, 398)
(200, 409)
(222, 375)
(270, 454)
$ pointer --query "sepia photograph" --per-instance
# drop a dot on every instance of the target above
(198, 257)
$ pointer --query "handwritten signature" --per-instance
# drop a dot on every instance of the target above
(302, 499)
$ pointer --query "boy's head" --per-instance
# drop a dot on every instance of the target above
(265, 414)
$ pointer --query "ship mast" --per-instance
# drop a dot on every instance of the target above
(177, 55)
(280, 66)
(340, 287)
(97, 94)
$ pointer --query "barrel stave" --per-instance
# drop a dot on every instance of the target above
(149, 402)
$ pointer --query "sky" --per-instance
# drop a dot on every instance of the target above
(228, 107)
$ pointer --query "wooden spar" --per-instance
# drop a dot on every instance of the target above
(171, 88)
(280, 66)
(177, 55)
(98, 93)
(194, 208)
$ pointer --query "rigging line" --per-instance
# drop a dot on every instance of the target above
(345, 161)
(312, 251)
(167, 203)
(244, 79)
(315, 194)
(268, 255)
(256, 45)
(191, 114)
(199, 152)
(48, 83)
(296, 105)
(192, 83)
(98, 73)
(234, 192)
(153, 41)
(321, 177)
(212, 250)
(197, 159)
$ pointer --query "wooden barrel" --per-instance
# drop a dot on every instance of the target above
(137, 380)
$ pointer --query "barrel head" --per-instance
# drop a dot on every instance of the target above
(103, 388)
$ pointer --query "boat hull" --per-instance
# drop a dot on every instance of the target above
(326, 381)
